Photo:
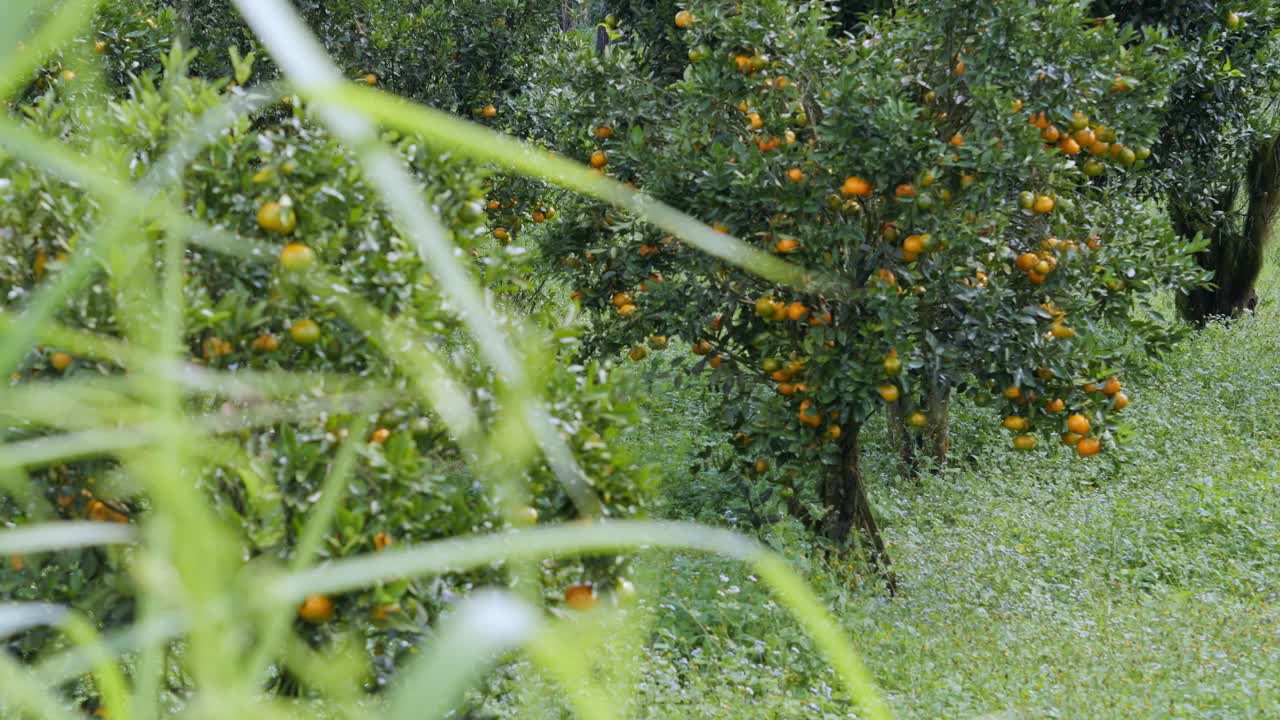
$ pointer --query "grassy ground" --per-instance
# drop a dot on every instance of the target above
(1142, 584)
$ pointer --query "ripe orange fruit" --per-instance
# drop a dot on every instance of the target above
(888, 392)
(1013, 392)
(382, 541)
(277, 218)
(1088, 447)
(904, 191)
(599, 159)
(1085, 137)
(638, 353)
(811, 419)
(1024, 441)
(855, 186)
(305, 332)
(716, 361)
(1069, 146)
(761, 466)
(833, 431)
(1053, 407)
(1015, 423)
(1062, 332)
(628, 310)
(684, 19)
(960, 68)
(493, 205)
(1016, 105)
(489, 111)
(785, 246)
(1078, 424)
(60, 361)
(379, 436)
(1119, 401)
(1097, 147)
(1043, 204)
(370, 79)
(795, 175)
(918, 419)
(914, 244)
(621, 298)
(956, 140)
(1026, 262)
(266, 342)
(316, 609)
(296, 257)
(702, 347)
(580, 596)
(754, 121)
(787, 389)
(1051, 134)
(1112, 386)
(603, 132)
(797, 311)
(1070, 439)
(502, 234)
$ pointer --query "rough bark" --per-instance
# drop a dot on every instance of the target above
(849, 507)
(1235, 252)
(937, 436)
(903, 437)
(919, 447)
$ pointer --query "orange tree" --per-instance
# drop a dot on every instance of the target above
(290, 193)
(958, 181)
(458, 56)
(1217, 167)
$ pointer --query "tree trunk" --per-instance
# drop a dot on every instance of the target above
(1235, 252)
(849, 507)
(903, 437)
(937, 437)
(932, 442)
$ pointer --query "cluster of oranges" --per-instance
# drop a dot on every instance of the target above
(1078, 428)
(507, 215)
(1080, 135)
(796, 311)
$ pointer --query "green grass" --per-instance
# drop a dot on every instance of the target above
(1139, 584)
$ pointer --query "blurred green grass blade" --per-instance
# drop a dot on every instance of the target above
(305, 62)
(18, 617)
(457, 136)
(560, 653)
(49, 297)
(23, 696)
(16, 69)
(319, 518)
(69, 535)
(107, 675)
(154, 629)
(603, 538)
(465, 645)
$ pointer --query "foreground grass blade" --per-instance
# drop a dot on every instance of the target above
(56, 31)
(17, 617)
(69, 535)
(467, 139)
(465, 646)
(612, 537)
(304, 60)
